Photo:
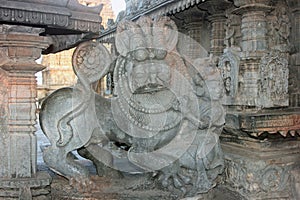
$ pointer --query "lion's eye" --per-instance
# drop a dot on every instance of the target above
(141, 54)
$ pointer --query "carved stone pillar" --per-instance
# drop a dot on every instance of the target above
(217, 34)
(254, 45)
(20, 46)
(196, 33)
(217, 18)
(294, 67)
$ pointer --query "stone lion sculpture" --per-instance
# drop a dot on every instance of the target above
(164, 118)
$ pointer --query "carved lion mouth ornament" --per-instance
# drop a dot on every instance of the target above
(162, 110)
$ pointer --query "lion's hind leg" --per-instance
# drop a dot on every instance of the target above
(60, 161)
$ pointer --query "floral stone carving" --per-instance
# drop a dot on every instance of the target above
(164, 118)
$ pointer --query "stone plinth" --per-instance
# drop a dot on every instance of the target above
(262, 168)
(20, 46)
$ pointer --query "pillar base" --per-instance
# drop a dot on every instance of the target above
(37, 187)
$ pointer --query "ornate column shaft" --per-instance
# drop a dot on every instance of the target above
(254, 31)
(294, 67)
(217, 18)
(196, 33)
(217, 34)
(20, 46)
(254, 45)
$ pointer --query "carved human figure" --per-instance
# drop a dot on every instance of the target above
(283, 25)
(230, 32)
(226, 74)
(280, 26)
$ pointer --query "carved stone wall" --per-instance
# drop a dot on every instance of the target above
(255, 171)
(260, 75)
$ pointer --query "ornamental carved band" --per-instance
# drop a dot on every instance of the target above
(164, 118)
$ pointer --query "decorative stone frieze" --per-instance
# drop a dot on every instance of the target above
(261, 169)
(69, 15)
(274, 73)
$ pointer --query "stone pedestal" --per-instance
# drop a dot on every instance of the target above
(20, 46)
(262, 169)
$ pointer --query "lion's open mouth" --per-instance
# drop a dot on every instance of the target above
(150, 88)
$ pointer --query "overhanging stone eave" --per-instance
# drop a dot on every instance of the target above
(48, 16)
(24, 6)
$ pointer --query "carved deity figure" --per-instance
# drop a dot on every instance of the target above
(230, 32)
(229, 67)
(164, 118)
(280, 26)
(274, 74)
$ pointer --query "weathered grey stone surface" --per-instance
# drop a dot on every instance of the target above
(164, 118)
(256, 46)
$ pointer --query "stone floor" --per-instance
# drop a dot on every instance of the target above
(107, 189)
